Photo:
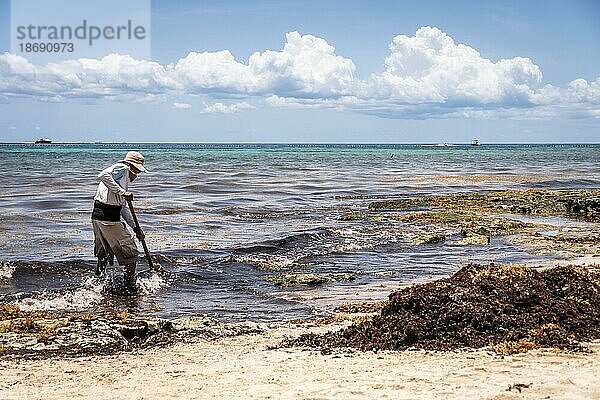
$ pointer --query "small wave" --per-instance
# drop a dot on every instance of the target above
(91, 293)
(50, 204)
(267, 262)
(6, 270)
(296, 240)
(79, 299)
(150, 284)
(166, 211)
(37, 267)
(252, 215)
(184, 257)
(365, 196)
(306, 248)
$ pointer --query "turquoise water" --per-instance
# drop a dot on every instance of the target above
(221, 216)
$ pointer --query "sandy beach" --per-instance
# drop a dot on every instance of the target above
(245, 367)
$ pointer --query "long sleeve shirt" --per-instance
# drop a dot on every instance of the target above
(114, 182)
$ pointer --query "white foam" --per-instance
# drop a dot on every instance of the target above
(85, 297)
(6, 270)
(151, 284)
(346, 232)
(267, 261)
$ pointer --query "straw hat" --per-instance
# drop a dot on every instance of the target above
(136, 159)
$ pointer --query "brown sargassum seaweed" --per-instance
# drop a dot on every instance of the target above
(583, 204)
(509, 308)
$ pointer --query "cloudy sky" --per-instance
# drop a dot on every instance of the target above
(324, 71)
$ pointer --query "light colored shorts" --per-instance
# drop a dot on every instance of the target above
(112, 239)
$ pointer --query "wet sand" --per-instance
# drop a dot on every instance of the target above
(245, 367)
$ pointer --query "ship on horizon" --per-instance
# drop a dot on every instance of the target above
(43, 140)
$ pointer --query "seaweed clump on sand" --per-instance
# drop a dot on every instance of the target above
(37, 334)
(509, 308)
(42, 335)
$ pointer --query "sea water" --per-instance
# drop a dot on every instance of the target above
(220, 218)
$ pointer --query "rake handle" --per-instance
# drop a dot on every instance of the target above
(139, 229)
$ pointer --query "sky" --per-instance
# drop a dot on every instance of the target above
(315, 71)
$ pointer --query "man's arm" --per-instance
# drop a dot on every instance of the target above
(126, 214)
(106, 177)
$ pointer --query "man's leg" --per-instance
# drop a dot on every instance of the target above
(100, 251)
(101, 265)
(121, 244)
(129, 276)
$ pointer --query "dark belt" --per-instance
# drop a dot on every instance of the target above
(106, 212)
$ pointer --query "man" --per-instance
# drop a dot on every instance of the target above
(111, 238)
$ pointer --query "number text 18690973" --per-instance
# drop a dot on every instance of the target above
(46, 47)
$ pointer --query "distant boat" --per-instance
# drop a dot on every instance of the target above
(43, 140)
(475, 142)
(445, 145)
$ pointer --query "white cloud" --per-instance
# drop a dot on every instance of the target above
(306, 67)
(182, 106)
(430, 68)
(212, 72)
(580, 90)
(427, 75)
(220, 108)
(110, 76)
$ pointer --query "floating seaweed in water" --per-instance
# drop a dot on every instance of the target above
(583, 204)
(510, 308)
